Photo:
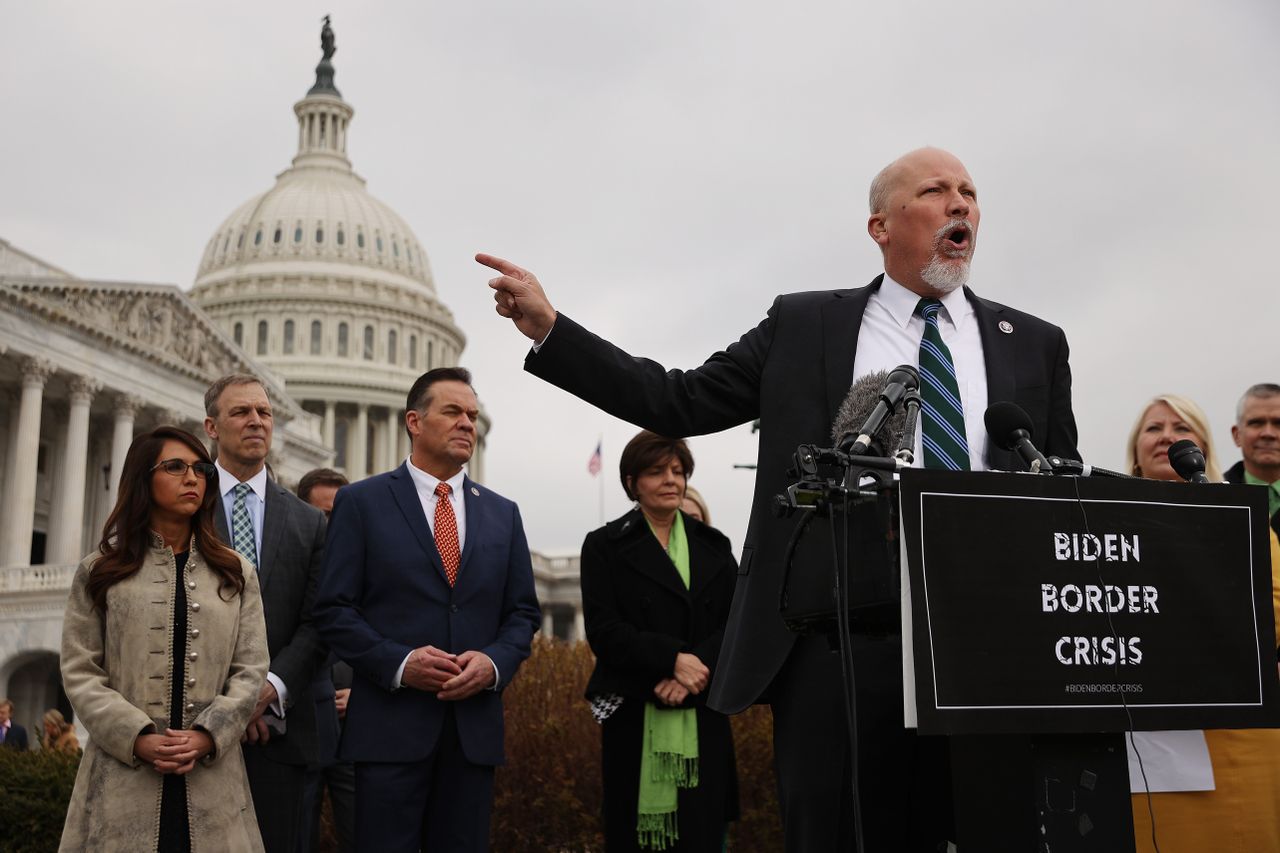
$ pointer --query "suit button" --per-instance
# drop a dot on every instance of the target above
(453, 608)
(195, 632)
(191, 584)
(195, 606)
(191, 682)
(191, 706)
(194, 655)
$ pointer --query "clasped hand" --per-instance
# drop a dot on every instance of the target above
(451, 677)
(176, 751)
(689, 679)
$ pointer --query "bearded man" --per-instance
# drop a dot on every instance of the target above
(792, 372)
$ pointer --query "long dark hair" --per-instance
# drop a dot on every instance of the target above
(126, 536)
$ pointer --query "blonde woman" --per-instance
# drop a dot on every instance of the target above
(1242, 813)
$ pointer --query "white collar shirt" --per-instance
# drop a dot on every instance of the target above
(425, 484)
(890, 335)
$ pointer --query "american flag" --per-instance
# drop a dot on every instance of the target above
(596, 461)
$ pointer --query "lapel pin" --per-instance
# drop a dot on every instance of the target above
(1006, 327)
(475, 491)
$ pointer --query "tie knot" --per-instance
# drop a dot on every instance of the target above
(242, 490)
(928, 308)
(443, 489)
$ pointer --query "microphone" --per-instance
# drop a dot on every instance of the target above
(1187, 460)
(869, 419)
(1010, 428)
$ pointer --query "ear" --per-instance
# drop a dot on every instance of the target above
(1235, 434)
(878, 228)
(631, 487)
(412, 423)
(210, 428)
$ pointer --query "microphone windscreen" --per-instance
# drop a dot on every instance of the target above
(1003, 420)
(857, 407)
(1186, 458)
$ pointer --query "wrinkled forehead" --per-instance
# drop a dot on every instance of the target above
(930, 164)
(243, 394)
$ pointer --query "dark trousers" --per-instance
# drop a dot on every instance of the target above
(277, 799)
(904, 780)
(340, 779)
(441, 805)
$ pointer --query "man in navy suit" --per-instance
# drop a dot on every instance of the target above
(12, 735)
(427, 592)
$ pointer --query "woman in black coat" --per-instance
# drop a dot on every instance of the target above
(656, 589)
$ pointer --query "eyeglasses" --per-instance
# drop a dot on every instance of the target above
(178, 468)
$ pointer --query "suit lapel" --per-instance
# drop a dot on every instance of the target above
(641, 550)
(273, 524)
(841, 321)
(220, 522)
(997, 349)
(704, 564)
(475, 524)
(406, 497)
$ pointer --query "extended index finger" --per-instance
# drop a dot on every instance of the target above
(502, 265)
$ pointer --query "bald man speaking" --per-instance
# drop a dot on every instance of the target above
(792, 371)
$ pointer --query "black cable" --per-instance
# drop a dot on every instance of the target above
(1115, 635)
(845, 639)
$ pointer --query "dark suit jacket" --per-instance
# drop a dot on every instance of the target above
(384, 593)
(1235, 474)
(16, 737)
(288, 574)
(638, 613)
(792, 371)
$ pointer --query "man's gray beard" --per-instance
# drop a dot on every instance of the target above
(945, 275)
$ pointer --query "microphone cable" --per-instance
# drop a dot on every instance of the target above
(844, 636)
(1115, 635)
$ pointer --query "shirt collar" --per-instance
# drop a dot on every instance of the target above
(1253, 480)
(227, 481)
(901, 303)
(426, 481)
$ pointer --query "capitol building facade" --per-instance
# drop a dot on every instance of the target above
(314, 285)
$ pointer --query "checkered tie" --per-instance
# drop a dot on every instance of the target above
(447, 533)
(242, 538)
(942, 426)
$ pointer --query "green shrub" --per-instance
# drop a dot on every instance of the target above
(547, 796)
(35, 788)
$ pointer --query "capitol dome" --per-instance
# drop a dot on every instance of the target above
(332, 290)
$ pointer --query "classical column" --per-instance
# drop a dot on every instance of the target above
(579, 625)
(327, 426)
(358, 458)
(548, 624)
(19, 519)
(126, 409)
(391, 458)
(67, 548)
(11, 401)
(379, 449)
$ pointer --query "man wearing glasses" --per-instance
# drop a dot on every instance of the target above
(284, 538)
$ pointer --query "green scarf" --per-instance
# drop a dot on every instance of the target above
(669, 749)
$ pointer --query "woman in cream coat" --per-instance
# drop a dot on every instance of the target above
(163, 653)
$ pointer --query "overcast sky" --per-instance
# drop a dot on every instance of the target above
(668, 167)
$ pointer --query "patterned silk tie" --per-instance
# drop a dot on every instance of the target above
(447, 533)
(242, 538)
(942, 434)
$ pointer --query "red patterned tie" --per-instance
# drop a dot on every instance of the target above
(447, 533)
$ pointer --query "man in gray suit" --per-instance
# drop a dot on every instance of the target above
(284, 538)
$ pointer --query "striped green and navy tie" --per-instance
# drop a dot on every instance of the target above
(942, 434)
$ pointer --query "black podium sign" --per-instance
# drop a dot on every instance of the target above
(1050, 603)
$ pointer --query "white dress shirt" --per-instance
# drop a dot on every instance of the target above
(256, 503)
(890, 336)
(425, 484)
